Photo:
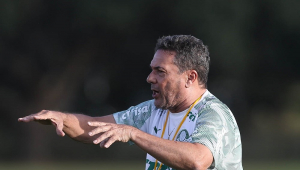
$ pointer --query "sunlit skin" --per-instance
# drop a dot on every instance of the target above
(169, 86)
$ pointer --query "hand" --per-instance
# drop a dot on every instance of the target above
(47, 117)
(111, 132)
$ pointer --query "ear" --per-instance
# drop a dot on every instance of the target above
(192, 77)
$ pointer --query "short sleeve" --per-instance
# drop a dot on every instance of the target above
(135, 116)
(215, 130)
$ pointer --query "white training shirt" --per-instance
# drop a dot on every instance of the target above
(210, 123)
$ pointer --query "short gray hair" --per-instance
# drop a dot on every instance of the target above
(191, 54)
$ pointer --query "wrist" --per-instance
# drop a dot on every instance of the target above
(64, 118)
(133, 134)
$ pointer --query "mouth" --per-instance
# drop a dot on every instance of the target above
(155, 93)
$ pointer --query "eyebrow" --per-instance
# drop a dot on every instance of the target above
(156, 67)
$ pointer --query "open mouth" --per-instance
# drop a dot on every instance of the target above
(154, 93)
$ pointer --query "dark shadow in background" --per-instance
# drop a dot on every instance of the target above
(93, 57)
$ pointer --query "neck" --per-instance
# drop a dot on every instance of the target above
(188, 101)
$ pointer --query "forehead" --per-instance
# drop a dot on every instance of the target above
(163, 58)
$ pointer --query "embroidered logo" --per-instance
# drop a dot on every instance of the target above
(156, 130)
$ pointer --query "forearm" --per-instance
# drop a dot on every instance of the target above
(76, 126)
(179, 155)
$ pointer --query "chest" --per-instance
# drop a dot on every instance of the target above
(178, 127)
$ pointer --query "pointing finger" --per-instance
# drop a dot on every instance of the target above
(32, 117)
(26, 119)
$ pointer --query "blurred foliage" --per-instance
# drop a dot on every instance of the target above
(93, 57)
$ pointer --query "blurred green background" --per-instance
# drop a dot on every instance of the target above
(93, 57)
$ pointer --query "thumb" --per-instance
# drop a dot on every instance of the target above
(59, 129)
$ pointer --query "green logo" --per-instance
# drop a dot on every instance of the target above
(183, 135)
(156, 130)
(191, 116)
(152, 164)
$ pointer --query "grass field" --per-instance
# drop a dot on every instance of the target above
(250, 165)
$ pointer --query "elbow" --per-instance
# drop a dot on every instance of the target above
(202, 162)
(199, 166)
(195, 165)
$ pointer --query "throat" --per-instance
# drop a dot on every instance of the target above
(186, 104)
(179, 108)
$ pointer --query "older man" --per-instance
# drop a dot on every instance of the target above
(183, 127)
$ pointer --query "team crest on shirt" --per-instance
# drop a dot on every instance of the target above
(183, 135)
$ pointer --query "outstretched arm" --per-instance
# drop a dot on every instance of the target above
(74, 125)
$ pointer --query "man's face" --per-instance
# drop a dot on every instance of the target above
(166, 82)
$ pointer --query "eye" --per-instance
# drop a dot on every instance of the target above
(158, 70)
(161, 71)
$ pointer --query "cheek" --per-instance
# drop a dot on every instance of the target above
(174, 88)
(170, 89)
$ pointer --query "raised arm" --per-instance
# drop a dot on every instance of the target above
(74, 125)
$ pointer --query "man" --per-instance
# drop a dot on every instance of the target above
(184, 127)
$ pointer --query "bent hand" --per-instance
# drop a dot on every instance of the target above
(111, 133)
(47, 117)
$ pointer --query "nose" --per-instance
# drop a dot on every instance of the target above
(151, 79)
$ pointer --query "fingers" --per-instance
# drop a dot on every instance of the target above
(47, 117)
(26, 118)
(43, 115)
(110, 133)
(38, 116)
(102, 144)
(108, 142)
(100, 129)
(97, 123)
(106, 139)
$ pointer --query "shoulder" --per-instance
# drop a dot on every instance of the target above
(211, 107)
(136, 115)
(210, 101)
(143, 109)
(146, 105)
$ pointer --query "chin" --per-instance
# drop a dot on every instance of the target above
(160, 104)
